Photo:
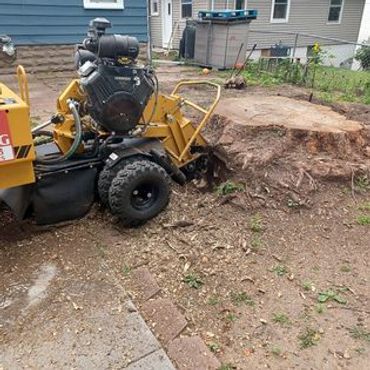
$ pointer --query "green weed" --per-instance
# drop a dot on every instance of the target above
(308, 286)
(226, 367)
(281, 319)
(293, 204)
(213, 300)
(193, 281)
(214, 347)
(330, 295)
(126, 270)
(242, 298)
(363, 220)
(256, 243)
(326, 97)
(308, 338)
(360, 350)
(366, 99)
(362, 183)
(320, 308)
(280, 270)
(358, 332)
(345, 268)
(256, 224)
(231, 317)
(276, 350)
(348, 97)
(364, 207)
(229, 187)
(102, 249)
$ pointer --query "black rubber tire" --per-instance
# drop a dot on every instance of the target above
(106, 177)
(144, 178)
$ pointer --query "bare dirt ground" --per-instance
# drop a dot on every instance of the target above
(272, 271)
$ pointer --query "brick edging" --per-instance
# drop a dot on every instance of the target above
(168, 323)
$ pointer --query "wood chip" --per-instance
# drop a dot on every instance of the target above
(187, 266)
(248, 278)
(277, 257)
(172, 247)
(180, 223)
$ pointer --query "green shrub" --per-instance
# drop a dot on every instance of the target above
(363, 56)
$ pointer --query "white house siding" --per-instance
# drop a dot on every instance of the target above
(308, 17)
(365, 25)
(304, 17)
(180, 23)
(339, 55)
(224, 4)
(156, 27)
(335, 55)
(364, 36)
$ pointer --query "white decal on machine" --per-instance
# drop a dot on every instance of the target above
(6, 149)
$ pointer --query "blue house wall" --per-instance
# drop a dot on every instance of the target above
(43, 22)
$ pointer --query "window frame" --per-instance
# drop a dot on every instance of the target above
(192, 8)
(245, 5)
(339, 21)
(152, 13)
(119, 5)
(280, 20)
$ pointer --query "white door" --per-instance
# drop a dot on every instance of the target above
(167, 22)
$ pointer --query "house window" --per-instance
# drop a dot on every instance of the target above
(186, 8)
(103, 4)
(280, 11)
(154, 7)
(335, 11)
(240, 4)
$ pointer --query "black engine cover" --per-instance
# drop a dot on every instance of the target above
(117, 95)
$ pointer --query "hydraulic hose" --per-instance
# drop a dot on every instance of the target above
(155, 83)
(76, 141)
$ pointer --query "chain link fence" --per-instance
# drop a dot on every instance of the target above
(337, 69)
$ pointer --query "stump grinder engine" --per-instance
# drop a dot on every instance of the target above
(113, 137)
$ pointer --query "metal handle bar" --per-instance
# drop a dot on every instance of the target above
(23, 85)
(207, 112)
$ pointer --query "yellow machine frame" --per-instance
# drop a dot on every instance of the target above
(167, 123)
(64, 132)
(16, 168)
(176, 132)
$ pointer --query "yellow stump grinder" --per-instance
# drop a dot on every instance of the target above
(114, 136)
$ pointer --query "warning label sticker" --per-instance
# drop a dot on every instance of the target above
(6, 148)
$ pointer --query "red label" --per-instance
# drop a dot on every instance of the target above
(6, 148)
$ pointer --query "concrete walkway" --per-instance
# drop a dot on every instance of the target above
(63, 307)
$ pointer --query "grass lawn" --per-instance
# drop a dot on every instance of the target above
(331, 83)
(347, 85)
